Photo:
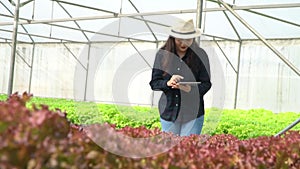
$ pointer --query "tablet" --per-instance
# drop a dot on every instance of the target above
(189, 83)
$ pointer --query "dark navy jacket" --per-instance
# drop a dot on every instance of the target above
(175, 104)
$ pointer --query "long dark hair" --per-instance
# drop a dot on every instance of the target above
(192, 57)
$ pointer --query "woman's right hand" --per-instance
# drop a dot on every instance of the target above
(173, 82)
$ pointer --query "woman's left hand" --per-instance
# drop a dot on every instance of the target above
(186, 88)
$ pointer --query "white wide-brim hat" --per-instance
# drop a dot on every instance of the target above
(184, 30)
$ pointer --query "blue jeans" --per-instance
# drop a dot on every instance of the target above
(183, 129)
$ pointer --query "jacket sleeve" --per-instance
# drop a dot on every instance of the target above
(203, 74)
(158, 81)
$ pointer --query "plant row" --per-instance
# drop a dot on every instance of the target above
(243, 124)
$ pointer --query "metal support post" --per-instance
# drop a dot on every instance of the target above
(199, 16)
(288, 127)
(13, 49)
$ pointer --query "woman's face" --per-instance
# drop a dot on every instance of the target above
(183, 44)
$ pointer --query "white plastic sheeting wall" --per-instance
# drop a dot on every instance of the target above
(264, 82)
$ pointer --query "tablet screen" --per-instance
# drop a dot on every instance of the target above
(190, 83)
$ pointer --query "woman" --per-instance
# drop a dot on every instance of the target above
(180, 60)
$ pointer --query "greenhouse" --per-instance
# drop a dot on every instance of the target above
(255, 45)
(104, 51)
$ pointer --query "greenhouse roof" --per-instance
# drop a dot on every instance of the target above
(94, 21)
